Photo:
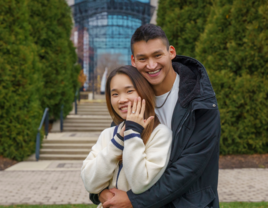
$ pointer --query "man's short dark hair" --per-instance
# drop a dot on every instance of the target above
(149, 32)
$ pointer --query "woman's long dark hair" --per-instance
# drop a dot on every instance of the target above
(144, 90)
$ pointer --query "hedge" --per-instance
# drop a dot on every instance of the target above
(38, 70)
(234, 49)
(243, 108)
(51, 29)
(183, 22)
(20, 82)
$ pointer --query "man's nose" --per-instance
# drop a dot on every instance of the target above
(151, 64)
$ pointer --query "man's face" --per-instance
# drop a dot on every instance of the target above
(153, 60)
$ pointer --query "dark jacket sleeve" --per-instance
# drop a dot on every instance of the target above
(182, 173)
(95, 197)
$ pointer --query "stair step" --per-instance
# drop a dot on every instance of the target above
(83, 129)
(70, 141)
(65, 151)
(102, 126)
(92, 107)
(86, 112)
(88, 121)
(67, 146)
(62, 157)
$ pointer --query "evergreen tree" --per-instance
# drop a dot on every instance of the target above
(183, 22)
(51, 25)
(20, 82)
(234, 48)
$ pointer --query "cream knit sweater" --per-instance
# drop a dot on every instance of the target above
(141, 167)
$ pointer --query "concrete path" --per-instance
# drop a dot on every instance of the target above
(59, 182)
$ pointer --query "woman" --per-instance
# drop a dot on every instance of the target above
(133, 154)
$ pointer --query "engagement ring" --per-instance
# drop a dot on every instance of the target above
(133, 112)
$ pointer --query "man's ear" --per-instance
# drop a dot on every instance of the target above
(133, 61)
(172, 52)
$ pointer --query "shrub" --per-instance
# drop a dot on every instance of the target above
(51, 29)
(38, 70)
(20, 82)
(234, 49)
(183, 22)
(243, 108)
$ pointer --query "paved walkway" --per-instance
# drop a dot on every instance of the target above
(59, 182)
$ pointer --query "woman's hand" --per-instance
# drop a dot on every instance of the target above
(136, 113)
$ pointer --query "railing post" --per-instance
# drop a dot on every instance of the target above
(47, 123)
(37, 146)
(75, 105)
(61, 118)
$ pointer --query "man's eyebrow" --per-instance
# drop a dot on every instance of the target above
(158, 51)
(127, 87)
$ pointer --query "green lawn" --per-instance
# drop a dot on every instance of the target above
(244, 205)
(222, 205)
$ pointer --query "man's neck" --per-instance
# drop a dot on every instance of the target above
(167, 83)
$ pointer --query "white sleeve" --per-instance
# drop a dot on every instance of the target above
(98, 167)
(144, 165)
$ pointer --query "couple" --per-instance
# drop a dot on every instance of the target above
(164, 149)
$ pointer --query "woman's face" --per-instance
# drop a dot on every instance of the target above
(122, 92)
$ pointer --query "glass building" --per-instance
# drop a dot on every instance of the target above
(106, 27)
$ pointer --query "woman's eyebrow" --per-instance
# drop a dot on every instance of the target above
(127, 87)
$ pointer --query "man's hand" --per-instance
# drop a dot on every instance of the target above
(120, 200)
(105, 195)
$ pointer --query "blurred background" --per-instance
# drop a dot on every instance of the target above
(56, 54)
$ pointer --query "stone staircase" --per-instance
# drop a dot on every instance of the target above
(80, 133)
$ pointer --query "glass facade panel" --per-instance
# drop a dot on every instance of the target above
(109, 25)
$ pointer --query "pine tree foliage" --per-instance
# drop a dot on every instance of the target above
(37, 70)
(234, 49)
(20, 82)
(183, 22)
(51, 29)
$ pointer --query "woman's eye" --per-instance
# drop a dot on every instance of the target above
(130, 91)
(115, 94)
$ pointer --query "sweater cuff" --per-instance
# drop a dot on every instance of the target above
(134, 126)
(120, 137)
(118, 142)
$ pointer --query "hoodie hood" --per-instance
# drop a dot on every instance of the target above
(194, 81)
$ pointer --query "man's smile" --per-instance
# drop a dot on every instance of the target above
(154, 73)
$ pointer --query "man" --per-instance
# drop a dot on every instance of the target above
(186, 103)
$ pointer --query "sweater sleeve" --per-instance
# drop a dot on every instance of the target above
(98, 167)
(144, 164)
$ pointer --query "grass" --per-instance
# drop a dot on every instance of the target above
(222, 205)
(244, 205)
(52, 206)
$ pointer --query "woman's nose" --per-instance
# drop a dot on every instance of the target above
(123, 99)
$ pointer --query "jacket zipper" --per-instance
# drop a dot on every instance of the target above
(183, 122)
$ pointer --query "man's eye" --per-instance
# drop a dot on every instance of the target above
(158, 55)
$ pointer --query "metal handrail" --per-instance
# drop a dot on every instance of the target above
(46, 119)
(75, 102)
